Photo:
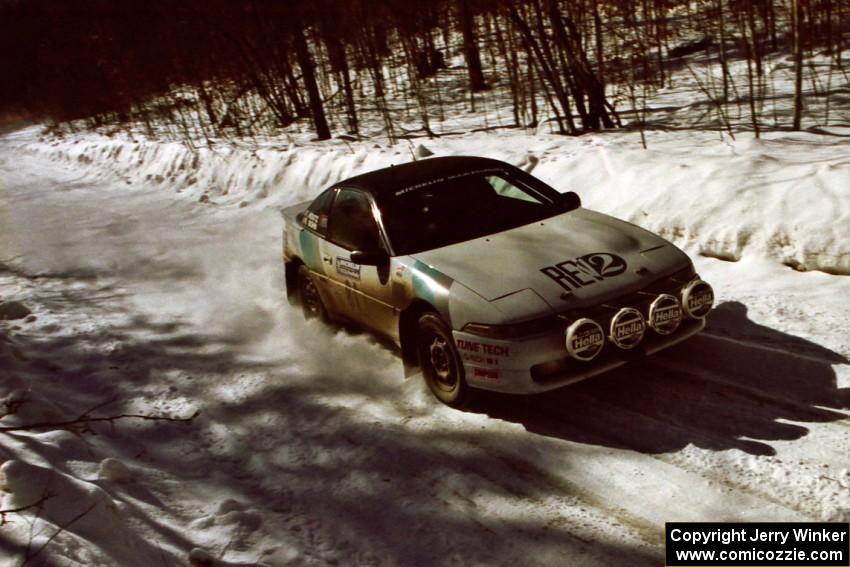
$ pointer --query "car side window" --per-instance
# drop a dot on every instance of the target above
(352, 222)
(505, 188)
(317, 214)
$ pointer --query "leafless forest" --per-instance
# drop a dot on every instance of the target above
(218, 68)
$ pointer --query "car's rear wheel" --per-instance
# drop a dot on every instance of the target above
(308, 296)
(440, 362)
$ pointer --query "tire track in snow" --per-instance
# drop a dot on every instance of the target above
(810, 412)
(625, 485)
(603, 437)
(754, 345)
(647, 531)
(710, 473)
(802, 384)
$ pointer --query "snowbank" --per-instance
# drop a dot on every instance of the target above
(785, 197)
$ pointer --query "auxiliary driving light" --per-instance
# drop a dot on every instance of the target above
(627, 328)
(665, 314)
(697, 299)
(585, 339)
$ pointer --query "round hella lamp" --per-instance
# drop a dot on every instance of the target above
(697, 299)
(627, 328)
(665, 314)
(585, 339)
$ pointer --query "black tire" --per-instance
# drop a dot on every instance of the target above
(440, 363)
(308, 296)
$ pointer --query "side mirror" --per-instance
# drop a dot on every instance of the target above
(568, 201)
(370, 258)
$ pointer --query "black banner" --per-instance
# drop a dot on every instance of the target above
(810, 544)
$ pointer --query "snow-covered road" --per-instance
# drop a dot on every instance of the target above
(312, 449)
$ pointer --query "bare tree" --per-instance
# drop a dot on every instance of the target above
(317, 108)
(796, 16)
(466, 22)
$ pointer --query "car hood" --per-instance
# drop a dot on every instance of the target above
(575, 259)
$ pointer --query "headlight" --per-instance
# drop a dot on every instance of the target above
(514, 330)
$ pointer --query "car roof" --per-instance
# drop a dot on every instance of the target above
(386, 182)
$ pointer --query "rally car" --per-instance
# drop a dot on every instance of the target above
(487, 278)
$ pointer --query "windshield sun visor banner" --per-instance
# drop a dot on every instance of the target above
(439, 180)
(585, 339)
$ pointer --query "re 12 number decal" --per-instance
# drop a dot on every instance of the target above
(586, 270)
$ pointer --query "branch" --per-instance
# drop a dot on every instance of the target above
(59, 530)
(85, 420)
(37, 503)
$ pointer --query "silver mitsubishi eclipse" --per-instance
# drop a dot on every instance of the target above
(486, 278)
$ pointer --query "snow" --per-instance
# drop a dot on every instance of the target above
(153, 278)
(713, 195)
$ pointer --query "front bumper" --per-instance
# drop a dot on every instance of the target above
(538, 363)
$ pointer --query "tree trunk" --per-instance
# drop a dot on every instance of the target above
(586, 82)
(796, 12)
(309, 75)
(470, 47)
(542, 57)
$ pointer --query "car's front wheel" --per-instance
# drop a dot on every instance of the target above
(440, 362)
(308, 296)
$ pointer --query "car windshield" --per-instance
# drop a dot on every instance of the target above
(453, 209)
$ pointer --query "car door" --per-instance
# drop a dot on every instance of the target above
(362, 292)
(314, 248)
